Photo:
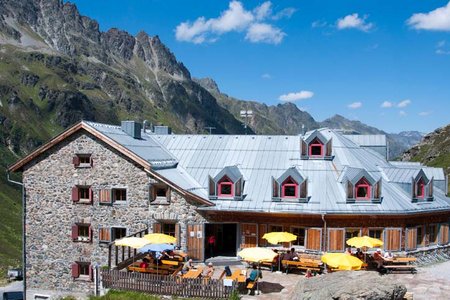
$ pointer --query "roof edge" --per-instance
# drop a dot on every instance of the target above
(18, 166)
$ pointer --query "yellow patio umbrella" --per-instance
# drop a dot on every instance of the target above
(159, 238)
(279, 237)
(364, 241)
(133, 242)
(257, 254)
(342, 261)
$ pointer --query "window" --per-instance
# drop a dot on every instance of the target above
(419, 237)
(289, 188)
(119, 195)
(376, 233)
(275, 228)
(420, 188)
(82, 161)
(82, 194)
(82, 271)
(118, 233)
(159, 193)
(81, 233)
(316, 148)
(432, 233)
(225, 187)
(300, 233)
(169, 229)
(351, 233)
(362, 189)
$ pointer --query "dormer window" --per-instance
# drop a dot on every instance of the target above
(225, 187)
(228, 184)
(362, 189)
(316, 148)
(289, 188)
(422, 187)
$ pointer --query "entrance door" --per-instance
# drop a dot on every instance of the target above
(195, 238)
(224, 237)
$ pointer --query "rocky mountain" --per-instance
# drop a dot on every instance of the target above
(398, 142)
(57, 67)
(433, 150)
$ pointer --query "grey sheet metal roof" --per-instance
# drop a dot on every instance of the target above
(146, 147)
(367, 139)
(260, 158)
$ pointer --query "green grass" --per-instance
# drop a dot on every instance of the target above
(125, 295)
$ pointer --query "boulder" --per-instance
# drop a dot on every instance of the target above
(346, 285)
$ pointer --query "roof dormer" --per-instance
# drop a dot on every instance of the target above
(290, 186)
(360, 185)
(422, 187)
(227, 184)
(316, 146)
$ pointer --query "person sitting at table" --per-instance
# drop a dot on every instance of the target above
(348, 251)
(187, 266)
(254, 275)
(145, 263)
(290, 255)
(388, 255)
(209, 272)
(359, 254)
(378, 258)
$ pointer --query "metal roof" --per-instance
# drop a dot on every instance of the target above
(188, 161)
(367, 139)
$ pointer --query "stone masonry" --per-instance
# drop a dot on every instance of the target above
(50, 212)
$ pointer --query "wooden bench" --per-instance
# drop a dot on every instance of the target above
(302, 265)
(399, 268)
(149, 270)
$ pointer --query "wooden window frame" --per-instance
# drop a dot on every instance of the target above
(286, 184)
(78, 159)
(114, 195)
(436, 237)
(386, 241)
(352, 229)
(376, 228)
(363, 183)
(76, 237)
(78, 266)
(329, 241)
(225, 181)
(77, 193)
(316, 143)
(420, 243)
(160, 200)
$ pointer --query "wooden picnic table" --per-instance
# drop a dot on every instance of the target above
(194, 273)
(400, 264)
(237, 276)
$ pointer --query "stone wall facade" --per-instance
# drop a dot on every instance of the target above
(51, 213)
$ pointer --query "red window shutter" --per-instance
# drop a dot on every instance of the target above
(91, 195)
(75, 195)
(75, 270)
(74, 232)
(76, 161)
(90, 233)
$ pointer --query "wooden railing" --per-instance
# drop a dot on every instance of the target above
(166, 285)
(122, 256)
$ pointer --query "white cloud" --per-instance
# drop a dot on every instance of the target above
(264, 33)
(319, 24)
(235, 19)
(355, 105)
(425, 113)
(354, 21)
(402, 113)
(438, 19)
(284, 13)
(404, 103)
(291, 97)
(266, 76)
(387, 104)
(441, 48)
(263, 11)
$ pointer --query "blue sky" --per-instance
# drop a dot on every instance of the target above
(385, 63)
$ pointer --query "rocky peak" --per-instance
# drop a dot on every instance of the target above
(119, 42)
(208, 83)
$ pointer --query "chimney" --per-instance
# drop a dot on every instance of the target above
(132, 128)
(162, 130)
